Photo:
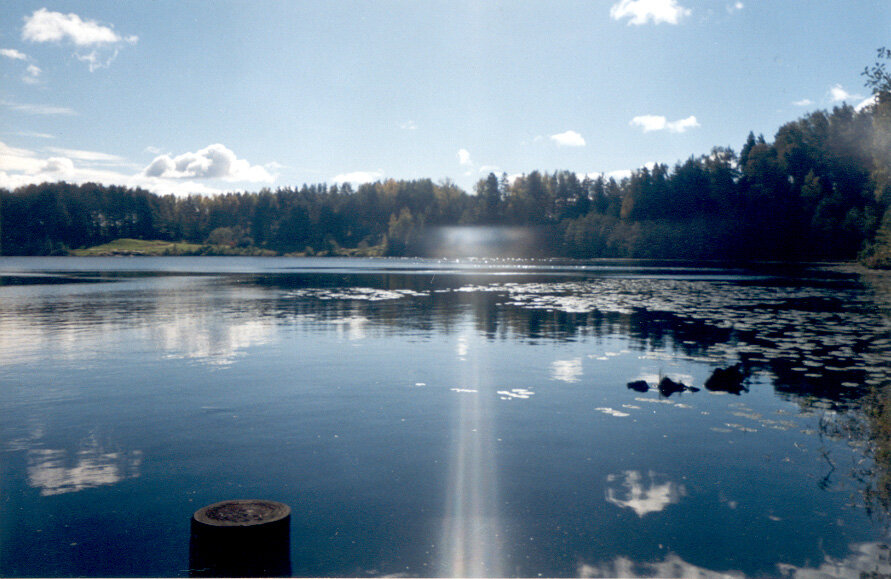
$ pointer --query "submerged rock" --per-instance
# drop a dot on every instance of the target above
(639, 386)
(728, 379)
(667, 386)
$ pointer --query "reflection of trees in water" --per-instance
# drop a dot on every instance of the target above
(858, 412)
(864, 425)
(878, 413)
(825, 348)
(877, 410)
(812, 344)
(800, 366)
(822, 352)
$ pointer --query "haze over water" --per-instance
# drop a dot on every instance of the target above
(441, 417)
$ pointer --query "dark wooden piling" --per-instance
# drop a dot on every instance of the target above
(241, 538)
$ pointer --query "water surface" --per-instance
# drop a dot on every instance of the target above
(441, 417)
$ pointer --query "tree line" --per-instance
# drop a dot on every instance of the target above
(821, 189)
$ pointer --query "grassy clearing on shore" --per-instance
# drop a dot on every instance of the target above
(157, 247)
(137, 247)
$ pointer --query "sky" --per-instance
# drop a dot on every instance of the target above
(190, 96)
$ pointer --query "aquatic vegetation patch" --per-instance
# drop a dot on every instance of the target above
(366, 294)
(826, 339)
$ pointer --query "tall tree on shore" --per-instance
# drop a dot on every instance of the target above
(489, 195)
(878, 78)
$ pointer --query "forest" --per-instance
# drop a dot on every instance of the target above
(819, 190)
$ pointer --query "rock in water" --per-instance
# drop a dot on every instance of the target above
(728, 379)
(639, 386)
(667, 387)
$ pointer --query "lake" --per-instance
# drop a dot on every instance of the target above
(427, 418)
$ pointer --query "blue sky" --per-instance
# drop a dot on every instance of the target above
(186, 96)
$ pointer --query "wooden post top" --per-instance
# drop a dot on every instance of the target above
(242, 513)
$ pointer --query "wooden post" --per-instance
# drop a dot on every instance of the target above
(241, 538)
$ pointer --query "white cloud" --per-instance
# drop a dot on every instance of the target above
(803, 103)
(46, 26)
(358, 177)
(868, 102)
(212, 162)
(568, 139)
(32, 74)
(735, 7)
(641, 12)
(33, 109)
(97, 59)
(466, 161)
(159, 186)
(838, 94)
(682, 125)
(618, 175)
(464, 158)
(89, 156)
(12, 54)
(650, 122)
(20, 167)
(14, 159)
(512, 178)
(35, 135)
(102, 41)
(408, 126)
(659, 123)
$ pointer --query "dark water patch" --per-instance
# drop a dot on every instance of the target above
(43, 279)
(821, 304)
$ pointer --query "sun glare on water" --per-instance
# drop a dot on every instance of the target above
(471, 532)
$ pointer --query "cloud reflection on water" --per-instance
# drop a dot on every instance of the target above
(567, 370)
(351, 328)
(643, 497)
(196, 337)
(671, 566)
(865, 560)
(176, 328)
(58, 471)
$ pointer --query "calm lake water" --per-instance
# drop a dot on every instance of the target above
(441, 418)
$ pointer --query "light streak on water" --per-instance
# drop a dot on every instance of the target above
(471, 531)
